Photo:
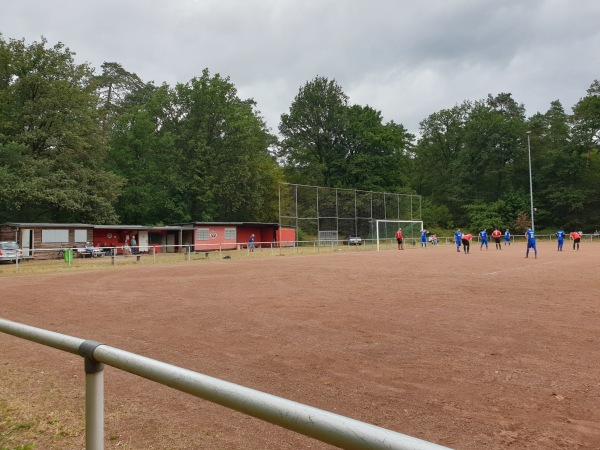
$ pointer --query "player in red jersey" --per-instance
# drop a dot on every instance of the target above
(466, 242)
(576, 239)
(400, 239)
(496, 236)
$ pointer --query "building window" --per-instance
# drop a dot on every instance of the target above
(230, 233)
(50, 236)
(202, 234)
(80, 235)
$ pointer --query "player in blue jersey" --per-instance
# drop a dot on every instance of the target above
(507, 237)
(424, 238)
(484, 239)
(530, 235)
(560, 235)
(458, 239)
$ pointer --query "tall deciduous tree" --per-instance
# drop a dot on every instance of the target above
(48, 116)
(227, 168)
(146, 156)
(195, 152)
(313, 133)
(586, 139)
(376, 154)
(439, 161)
(495, 131)
(328, 142)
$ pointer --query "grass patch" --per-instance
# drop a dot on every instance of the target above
(15, 431)
(41, 267)
(28, 416)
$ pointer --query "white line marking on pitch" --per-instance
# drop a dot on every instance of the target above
(514, 268)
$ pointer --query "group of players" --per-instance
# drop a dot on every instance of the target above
(400, 239)
(464, 240)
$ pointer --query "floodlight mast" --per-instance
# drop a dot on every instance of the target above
(530, 179)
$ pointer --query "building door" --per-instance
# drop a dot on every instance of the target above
(143, 241)
(170, 243)
(27, 241)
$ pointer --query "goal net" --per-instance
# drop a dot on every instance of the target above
(385, 232)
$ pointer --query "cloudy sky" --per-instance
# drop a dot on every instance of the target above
(406, 58)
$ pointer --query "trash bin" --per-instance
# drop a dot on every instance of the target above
(68, 255)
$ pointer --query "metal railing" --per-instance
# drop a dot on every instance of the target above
(324, 426)
(203, 251)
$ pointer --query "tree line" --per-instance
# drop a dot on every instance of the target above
(108, 147)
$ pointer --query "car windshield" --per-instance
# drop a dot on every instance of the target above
(10, 246)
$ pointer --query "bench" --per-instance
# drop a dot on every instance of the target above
(89, 252)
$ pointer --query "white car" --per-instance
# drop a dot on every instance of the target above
(9, 251)
(354, 240)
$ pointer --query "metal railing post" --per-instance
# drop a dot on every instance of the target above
(94, 397)
(94, 410)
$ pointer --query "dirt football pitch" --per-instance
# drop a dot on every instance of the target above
(482, 351)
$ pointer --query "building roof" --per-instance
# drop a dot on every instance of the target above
(141, 227)
(49, 225)
(98, 227)
(239, 224)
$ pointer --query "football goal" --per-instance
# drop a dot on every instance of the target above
(386, 231)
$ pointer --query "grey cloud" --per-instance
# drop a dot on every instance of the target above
(405, 58)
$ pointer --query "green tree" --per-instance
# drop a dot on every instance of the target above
(194, 152)
(376, 154)
(466, 155)
(439, 166)
(147, 158)
(228, 171)
(486, 216)
(555, 166)
(48, 117)
(586, 140)
(586, 114)
(493, 141)
(115, 88)
(328, 142)
(313, 148)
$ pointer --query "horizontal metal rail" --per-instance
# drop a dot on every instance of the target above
(325, 426)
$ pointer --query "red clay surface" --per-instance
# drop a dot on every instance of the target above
(480, 351)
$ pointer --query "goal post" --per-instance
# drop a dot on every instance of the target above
(385, 230)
